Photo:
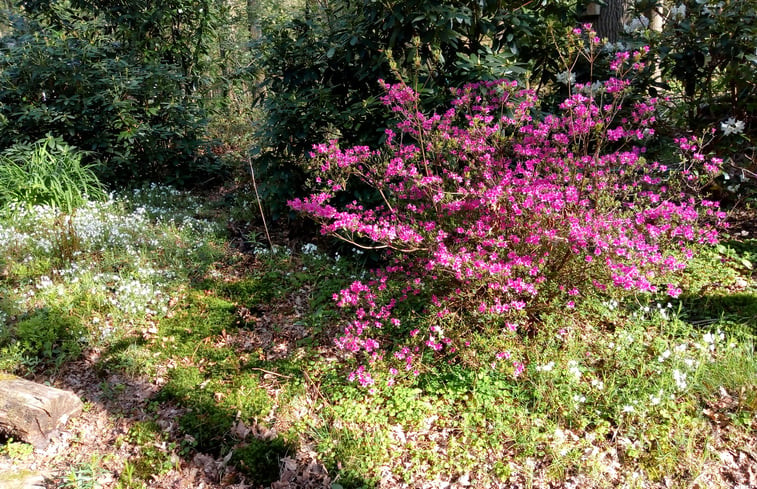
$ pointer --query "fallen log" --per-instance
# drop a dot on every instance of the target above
(30, 412)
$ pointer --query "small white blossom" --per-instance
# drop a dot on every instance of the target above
(637, 24)
(664, 356)
(678, 13)
(714, 9)
(628, 408)
(680, 379)
(566, 78)
(615, 46)
(574, 370)
(655, 400)
(732, 126)
(309, 249)
(593, 89)
(545, 368)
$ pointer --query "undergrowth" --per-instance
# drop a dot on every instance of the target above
(623, 390)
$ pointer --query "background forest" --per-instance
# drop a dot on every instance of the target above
(383, 243)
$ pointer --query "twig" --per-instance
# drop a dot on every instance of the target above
(260, 206)
(272, 373)
(317, 390)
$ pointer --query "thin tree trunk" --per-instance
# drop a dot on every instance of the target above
(252, 19)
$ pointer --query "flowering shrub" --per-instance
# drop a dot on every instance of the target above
(496, 214)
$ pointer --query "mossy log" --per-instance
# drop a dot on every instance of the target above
(30, 412)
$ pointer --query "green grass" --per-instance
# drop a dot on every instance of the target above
(47, 172)
(621, 391)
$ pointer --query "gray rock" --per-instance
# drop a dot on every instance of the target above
(31, 412)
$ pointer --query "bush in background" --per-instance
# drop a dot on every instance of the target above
(706, 53)
(320, 69)
(72, 73)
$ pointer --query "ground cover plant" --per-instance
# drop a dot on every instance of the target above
(199, 363)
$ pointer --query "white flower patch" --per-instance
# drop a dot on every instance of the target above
(136, 298)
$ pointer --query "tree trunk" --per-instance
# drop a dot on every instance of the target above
(252, 19)
(609, 23)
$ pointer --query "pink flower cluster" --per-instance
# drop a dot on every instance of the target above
(493, 211)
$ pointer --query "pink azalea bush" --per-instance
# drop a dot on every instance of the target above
(493, 212)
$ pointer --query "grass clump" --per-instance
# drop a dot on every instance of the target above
(47, 172)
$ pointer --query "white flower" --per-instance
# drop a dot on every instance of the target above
(566, 78)
(678, 13)
(680, 379)
(732, 126)
(637, 24)
(574, 370)
(663, 356)
(591, 89)
(309, 249)
(615, 46)
(715, 9)
(545, 368)
(655, 400)
(628, 408)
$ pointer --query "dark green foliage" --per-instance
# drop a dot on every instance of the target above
(707, 59)
(322, 68)
(711, 51)
(74, 74)
(174, 32)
